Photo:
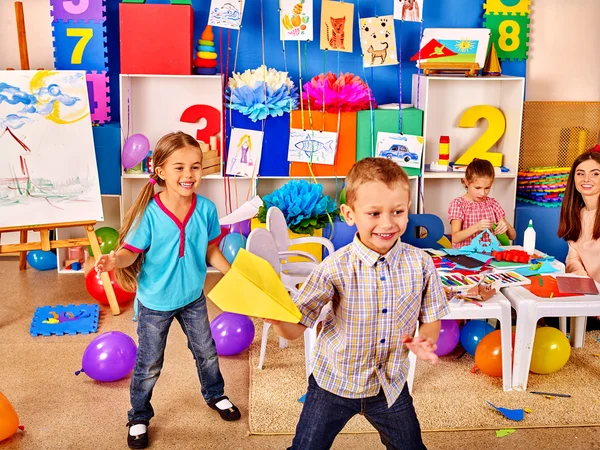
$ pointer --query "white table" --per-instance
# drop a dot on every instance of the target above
(530, 308)
(497, 307)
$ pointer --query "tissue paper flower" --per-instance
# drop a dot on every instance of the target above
(344, 93)
(261, 92)
(303, 204)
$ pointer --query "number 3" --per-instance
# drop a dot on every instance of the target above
(81, 7)
(85, 34)
(496, 128)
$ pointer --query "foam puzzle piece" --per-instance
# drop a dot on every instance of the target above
(510, 34)
(80, 45)
(107, 143)
(60, 320)
(99, 95)
(385, 120)
(521, 7)
(273, 161)
(163, 31)
(78, 9)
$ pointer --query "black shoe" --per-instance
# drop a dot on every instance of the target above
(139, 441)
(228, 414)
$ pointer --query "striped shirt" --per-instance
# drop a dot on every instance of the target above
(376, 299)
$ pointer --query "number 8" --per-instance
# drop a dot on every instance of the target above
(513, 35)
(71, 8)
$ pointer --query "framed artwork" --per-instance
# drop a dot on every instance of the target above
(226, 13)
(378, 41)
(408, 10)
(245, 149)
(337, 21)
(296, 20)
(404, 149)
(312, 146)
(456, 45)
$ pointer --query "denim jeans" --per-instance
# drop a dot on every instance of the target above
(153, 328)
(325, 414)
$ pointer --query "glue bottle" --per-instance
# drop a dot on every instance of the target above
(529, 239)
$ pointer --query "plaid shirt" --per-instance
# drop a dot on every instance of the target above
(376, 299)
(472, 212)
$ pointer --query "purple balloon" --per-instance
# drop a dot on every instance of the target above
(135, 150)
(448, 338)
(109, 357)
(233, 333)
(241, 227)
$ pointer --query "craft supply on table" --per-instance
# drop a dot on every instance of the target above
(576, 285)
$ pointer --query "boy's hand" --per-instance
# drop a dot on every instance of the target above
(501, 228)
(272, 322)
(484, 224)
(424, 348)
(106, 263)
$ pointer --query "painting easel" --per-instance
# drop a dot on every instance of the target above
(47, 244)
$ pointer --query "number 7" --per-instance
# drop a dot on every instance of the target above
(85, 34)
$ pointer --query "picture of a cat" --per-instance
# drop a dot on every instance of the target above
(336, 41)
(381, 53)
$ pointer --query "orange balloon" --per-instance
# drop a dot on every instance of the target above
(488, 354)
(9, 421)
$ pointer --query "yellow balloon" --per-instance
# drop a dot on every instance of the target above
(9, 421)
(551, 351)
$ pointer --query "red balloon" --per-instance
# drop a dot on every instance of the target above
(94, 286)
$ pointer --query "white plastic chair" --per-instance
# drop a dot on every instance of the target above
(261, 243)
(277, 226)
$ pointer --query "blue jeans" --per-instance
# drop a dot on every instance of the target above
(324, 415)
(153, 328)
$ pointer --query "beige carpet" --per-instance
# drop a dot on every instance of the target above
(447, 396)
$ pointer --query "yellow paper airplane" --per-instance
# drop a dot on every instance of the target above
(253, 288)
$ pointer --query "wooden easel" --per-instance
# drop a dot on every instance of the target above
(46, 244)
(468, 69)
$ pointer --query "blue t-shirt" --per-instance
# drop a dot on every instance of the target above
(174, 267)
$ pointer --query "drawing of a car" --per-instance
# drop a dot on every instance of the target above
(398, 151)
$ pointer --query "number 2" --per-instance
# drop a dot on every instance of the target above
(72, 8)
(495, 130)
(85, 34)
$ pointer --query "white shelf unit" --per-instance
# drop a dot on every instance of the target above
(444, 99)
(111, 207)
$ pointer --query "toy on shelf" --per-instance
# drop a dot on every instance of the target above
(441, 165)
(205, 62)
(492, 64)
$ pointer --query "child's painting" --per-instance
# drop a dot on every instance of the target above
(457, 45)
(296, 20)
(245, 149)
(404, 149)
(409, 10)
(310, 146)
(378, 41)
(226, 13)
(337, 19)
(48, 171)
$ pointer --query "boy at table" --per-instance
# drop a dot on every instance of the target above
(380, 289)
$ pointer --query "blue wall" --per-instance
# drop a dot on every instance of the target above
(383, 80)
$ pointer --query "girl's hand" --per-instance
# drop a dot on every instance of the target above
(484, 224)
(106, 263)
(501, 228)
(424, 348)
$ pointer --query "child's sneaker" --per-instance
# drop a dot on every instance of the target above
(227, 410)
(137, 435)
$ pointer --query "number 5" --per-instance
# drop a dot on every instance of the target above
(496, 128)
(85, 34)
(71, 8)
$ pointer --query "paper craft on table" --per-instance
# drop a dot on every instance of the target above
(247, 211)
(404, 149)
(576, 285)
(226, 13)
(245, 149)
(408, 10)
(312, 146)
(253, 288)
(378, 41)
(337, 19)
(296, 20)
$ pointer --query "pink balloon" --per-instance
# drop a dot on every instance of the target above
(135, 150)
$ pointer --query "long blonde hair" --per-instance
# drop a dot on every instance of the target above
(166, 146)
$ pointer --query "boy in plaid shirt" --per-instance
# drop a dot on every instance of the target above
(380, 289)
